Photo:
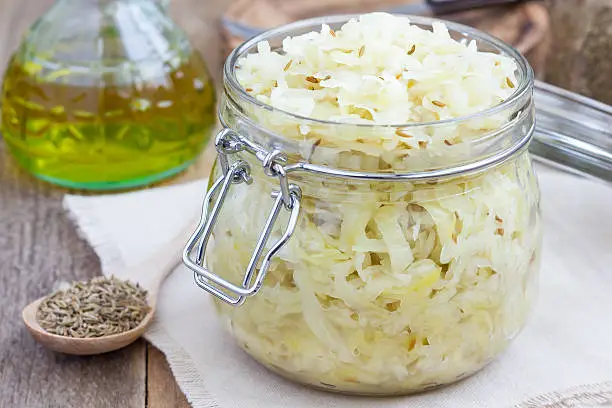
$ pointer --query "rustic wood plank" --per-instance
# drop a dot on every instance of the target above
(39, 247)
(580, 47)
(162, 389)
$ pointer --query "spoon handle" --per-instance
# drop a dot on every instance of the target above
(151, 272)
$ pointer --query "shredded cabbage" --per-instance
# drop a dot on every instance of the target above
(384, 287)
(378, 69)
(381, 296)
(359, 73)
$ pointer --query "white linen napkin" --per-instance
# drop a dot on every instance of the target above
(562, 359)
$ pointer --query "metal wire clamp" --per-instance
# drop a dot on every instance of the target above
(288, 197)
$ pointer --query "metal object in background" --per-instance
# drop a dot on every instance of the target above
(437, 7)
(428, 7)
(573, 132)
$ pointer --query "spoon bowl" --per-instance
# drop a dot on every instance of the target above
(149, 274)
(81, 346)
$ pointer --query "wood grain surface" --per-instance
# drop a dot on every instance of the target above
(162, 390)
(580, 50)
(39, 247)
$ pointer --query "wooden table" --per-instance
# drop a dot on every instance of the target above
(39, 247)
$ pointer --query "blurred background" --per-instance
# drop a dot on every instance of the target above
(569, 43)
(115, 94)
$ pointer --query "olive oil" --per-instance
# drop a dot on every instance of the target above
(128, 125)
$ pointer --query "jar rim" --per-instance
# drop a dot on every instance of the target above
(525, 85)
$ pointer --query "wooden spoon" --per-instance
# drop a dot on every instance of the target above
(149, 274)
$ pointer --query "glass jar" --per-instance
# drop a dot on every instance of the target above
(371, 273)
(106, 94)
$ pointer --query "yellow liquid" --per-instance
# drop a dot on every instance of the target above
(79, 132)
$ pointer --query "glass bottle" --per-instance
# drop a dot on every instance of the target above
(106, 94)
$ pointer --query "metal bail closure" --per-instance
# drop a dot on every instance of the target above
(254, 276)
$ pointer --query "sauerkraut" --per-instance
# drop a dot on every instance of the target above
(379, 70)
(387, 287)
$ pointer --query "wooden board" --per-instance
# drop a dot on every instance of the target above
(162, 389)
(39, 247)
(580, 49)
